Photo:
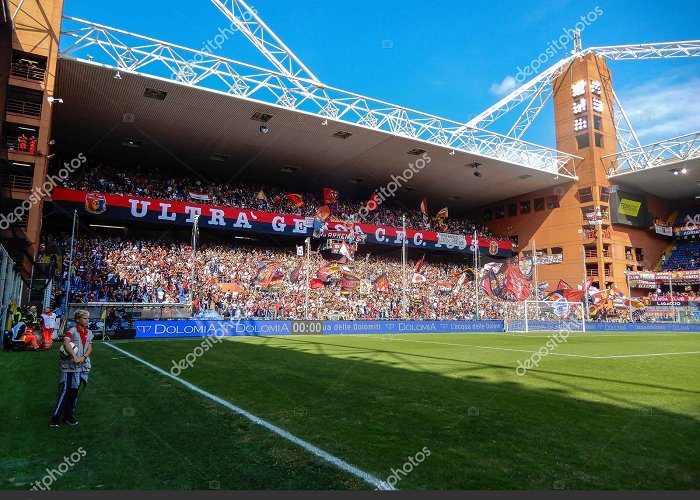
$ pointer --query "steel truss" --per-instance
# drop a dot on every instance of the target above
(138, 54)
(665, 50)
(538, 90)
(269, 44)
(666, 152)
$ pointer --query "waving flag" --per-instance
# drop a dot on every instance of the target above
(418, 278)
(490, 284)
(419, 264)
(297, 273)
(373, 202)
(327, 271)
(330, 196)
(516, 283)
(316, 283)
(295, 199)
(424, 207)
(349, 283)
(381, 284)
(460, 282)
(345, 251)
(269, 273)
(322, 212)
(563, 285)
(442, 214)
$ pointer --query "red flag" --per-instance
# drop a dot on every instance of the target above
(373, 202)
(381, 284)
(424, 206)
(295, 277)
(349, 282)
(516, 283)
(563, 285)
(295, 199)
(269, 273)
(573, 295)
(316, 283)
(419, 265)
(322, 212)
(330, 195)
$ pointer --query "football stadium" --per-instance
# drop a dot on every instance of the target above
(294, 286)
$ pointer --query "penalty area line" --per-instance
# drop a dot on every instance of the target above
(323, 455)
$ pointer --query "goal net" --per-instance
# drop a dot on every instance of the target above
(544, 316)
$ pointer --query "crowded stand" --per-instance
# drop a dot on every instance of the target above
(154, 183)
(231, 280)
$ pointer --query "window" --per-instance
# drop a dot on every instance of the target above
(552, 201)
(585, 195)
(598, 140)
(514, 240)
(583, 141)
(557, 256)
(487, 214)
(499, 212)
(605, 194)
(539, 204)
(512, 209)
(525, 207)
(597, 122)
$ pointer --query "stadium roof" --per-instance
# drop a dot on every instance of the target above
(669, 168)
(155, 121)
(661, 180)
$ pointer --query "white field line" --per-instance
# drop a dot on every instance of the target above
(532, 352)
(323, 455)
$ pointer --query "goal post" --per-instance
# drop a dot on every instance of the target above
(544, 316)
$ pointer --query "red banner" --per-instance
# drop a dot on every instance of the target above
(139, 209)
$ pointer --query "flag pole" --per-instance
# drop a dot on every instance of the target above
(193, 277)
(70, 262)
(403, 268)
(476, 273)
(673, 303)
(534, 268)
(308, 273)
(585, 288)
(629, 295)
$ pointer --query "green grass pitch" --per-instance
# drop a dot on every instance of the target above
(602, 411)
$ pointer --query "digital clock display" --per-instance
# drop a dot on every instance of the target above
(307, 327)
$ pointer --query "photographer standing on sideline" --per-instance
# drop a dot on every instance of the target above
(75, 368)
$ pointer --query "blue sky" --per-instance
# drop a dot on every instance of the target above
(449, 58)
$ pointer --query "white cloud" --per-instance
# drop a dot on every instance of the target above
(500, 89)
(664, 107)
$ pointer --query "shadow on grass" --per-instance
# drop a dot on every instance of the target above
(376, 413)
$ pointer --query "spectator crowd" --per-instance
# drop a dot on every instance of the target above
(226, 279)
(153, 183)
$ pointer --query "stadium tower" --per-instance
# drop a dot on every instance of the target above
(602, 225)
(28, 55)
(584, 126)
